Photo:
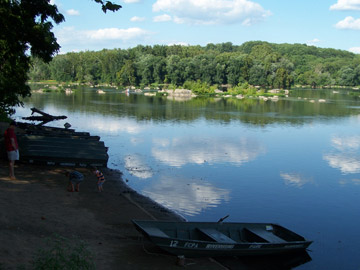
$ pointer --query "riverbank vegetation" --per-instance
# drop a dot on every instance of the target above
(239, 69)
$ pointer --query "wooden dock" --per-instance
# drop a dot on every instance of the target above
(60, 146)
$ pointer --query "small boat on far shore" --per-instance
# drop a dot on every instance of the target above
(214, 239)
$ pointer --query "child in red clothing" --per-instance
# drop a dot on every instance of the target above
(101, 179)
(12, 147)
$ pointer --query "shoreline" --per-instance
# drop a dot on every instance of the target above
(36, 205)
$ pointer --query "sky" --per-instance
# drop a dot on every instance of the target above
(322, 23)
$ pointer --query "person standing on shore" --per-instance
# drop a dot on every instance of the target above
(12, 148)
(75, 178)
(101, 179)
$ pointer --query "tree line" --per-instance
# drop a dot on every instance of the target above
(254, 63)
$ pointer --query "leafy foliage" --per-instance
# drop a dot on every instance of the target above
(254, 63)
(107, 5)
(26, 28)
(199, 87)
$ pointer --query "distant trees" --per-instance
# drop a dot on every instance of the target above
(252, 63)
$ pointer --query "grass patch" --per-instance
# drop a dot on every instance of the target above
(61, 253)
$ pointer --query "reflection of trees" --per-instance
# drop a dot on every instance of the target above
(188, 197)
(251, 111)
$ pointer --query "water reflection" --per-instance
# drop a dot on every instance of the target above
(250, 111)
(344, 182)
(347, 143)
(186, 196)
(345, 157)
(295, 179)
(111, 125)
(277, 262)
(137, 166)
(345, 162)
(179, 151)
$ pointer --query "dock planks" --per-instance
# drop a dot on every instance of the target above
(60, 146)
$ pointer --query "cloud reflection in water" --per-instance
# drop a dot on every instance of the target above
(347, 143)
(346, 158)
(136, 166)
(294, 179)
(188, 197)
(184, 150)
(345, 162)
(352, 181)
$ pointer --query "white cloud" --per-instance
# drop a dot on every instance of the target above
(72, 12)
(346, 5)
(346, 163)
(355, 50)
(162, 18)
(71, 39)
(184, 150)
(131, 1)
(115, 33)
(294, 179)
(186, 196)
(69, 35)
(346, 144)
(210, 12)
(137, 19)
(349, 23)
(136, 166)
(313, 42)
(105, 124)
(346, 157)
(352, 181)
(178, 43)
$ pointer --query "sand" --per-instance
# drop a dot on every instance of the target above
(36, 205)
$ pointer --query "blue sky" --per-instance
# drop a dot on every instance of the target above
(323, 23)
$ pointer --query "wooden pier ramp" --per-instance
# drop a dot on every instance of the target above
(60, 146)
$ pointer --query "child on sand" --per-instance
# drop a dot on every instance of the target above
(12, 147)
(75, 178)
(101, 179)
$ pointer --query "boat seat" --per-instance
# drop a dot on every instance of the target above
(216, 235)
(266, 235)
(152, 231)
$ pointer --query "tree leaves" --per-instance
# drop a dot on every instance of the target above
(107, 5)
(26, 25)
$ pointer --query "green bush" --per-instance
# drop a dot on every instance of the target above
(199, 87)
(243, 89)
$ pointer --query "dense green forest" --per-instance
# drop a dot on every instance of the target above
(254, 63)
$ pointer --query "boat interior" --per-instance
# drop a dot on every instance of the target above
(243, 235)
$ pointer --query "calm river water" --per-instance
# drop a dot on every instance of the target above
(295, 162)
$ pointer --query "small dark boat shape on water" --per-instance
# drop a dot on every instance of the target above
(214, 239)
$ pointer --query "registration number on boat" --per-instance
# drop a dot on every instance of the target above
(175, 243)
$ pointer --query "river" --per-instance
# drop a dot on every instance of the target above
(295, 161)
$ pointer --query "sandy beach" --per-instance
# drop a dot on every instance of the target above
(36, 205)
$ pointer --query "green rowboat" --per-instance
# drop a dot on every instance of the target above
(214, 239)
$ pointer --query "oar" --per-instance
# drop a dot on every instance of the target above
(222, 219)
